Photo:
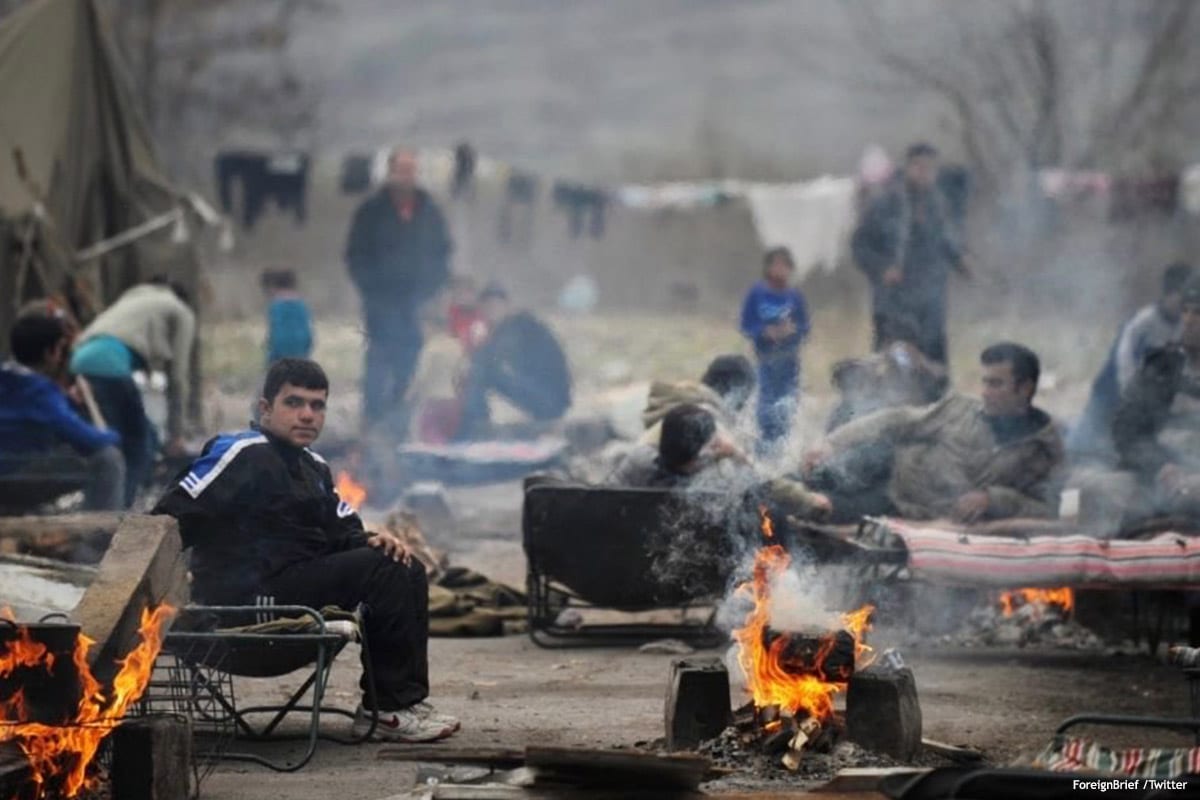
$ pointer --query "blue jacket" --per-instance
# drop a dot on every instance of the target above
(766, 306)
(289, 329)
(35, 415)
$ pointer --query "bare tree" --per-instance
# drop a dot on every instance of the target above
(1031, 84)
(206, 68)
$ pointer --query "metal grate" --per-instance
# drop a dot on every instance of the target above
(193, 691)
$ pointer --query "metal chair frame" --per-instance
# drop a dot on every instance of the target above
(211, 702)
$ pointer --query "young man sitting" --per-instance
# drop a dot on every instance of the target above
(265, 525)
(41, 434)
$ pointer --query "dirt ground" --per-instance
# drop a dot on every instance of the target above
(509, 692)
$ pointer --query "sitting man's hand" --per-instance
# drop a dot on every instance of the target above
(391, 546)
(971, 506)
(175, 448)
(822, 506)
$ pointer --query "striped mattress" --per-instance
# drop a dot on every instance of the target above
(948, 556)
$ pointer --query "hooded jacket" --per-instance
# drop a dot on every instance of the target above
(36, 416)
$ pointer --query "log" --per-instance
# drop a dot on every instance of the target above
(864, 779)
(617, 768)
(30, 528)
(951, 751)
(14, 770)
(498, 757)
(802, 649)
(66, 536)
(142, 568)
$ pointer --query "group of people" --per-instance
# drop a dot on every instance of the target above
(397, 253)
(908, 242)
(993, 456)
(69, 401)
(265, 525)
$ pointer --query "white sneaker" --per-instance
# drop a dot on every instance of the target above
(406, 725)
(429, 712)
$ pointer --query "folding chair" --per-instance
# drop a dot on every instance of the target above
(287, 639)
(611, 548)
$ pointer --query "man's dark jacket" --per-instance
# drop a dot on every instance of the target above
(1145, 409)
(250, 507)
(397, 265)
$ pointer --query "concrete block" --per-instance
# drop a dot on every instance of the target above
(883, 713)
(697, 706)
(152, 759)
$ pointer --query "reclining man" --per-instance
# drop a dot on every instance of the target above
(1156, 429)
(41, 434)
(265, 524)
(695, 453)
(964, 458)
(723, 390)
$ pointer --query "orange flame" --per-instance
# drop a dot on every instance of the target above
(353, 493)
(1062, 599)
(59, 755)
(762, 659)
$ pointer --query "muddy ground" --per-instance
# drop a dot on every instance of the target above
(509, 692)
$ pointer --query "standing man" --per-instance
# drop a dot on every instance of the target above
(397, 253)
(907, 245)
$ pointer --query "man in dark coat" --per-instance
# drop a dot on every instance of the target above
(907, 244)
(397, 253)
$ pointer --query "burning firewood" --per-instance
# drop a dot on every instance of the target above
(792, 675)
(830, 654)
(806, 732)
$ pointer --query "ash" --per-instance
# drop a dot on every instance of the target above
(755, 767)
(1032, 625)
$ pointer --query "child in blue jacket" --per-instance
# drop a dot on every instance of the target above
(289, 324)
(775, 318)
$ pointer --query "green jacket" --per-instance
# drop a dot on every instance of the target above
(947, 449)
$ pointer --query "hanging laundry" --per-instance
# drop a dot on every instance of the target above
(582, 203)
(516, 210)
(282, 177)
(356, 173)
(462, 184)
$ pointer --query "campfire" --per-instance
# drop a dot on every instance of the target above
(60, 747)
(352, 493)
(1040, 600)
(793, 675)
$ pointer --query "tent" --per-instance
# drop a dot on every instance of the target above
(85, 207)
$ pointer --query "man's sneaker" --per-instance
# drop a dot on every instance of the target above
(405, 725)
(429, 712)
